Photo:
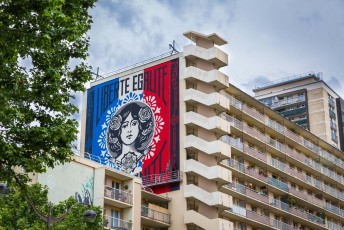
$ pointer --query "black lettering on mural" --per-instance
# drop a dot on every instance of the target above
(154, 81)
(106, 95)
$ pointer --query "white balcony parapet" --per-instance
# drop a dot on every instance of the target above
(217, 173)
(195, 218)
(214, 100)
(115, 223)
(215, 124)
(214, 77)
(216, 199)
(213, 55)
(217, 148)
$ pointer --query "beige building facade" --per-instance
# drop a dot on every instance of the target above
(240, 165)
(309, 102)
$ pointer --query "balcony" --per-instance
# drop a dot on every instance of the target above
(117, 197)
(213, 100)
(254, 133)
(213, 55)
(215, 124)
(272, 124)
(253, 113)
(115, 223)
(193, 218)
(272, 202)
(279, 184)
(332, 191)
(162, 178)
(155, 218)
(256, 174)
(217, 148)
(293, 136)
(215, 199)
(239, 105)
(255, 153)
(215, 173)
(294, 112)
(280, 103)
(213, 77)
(332, 114)
(261, 219)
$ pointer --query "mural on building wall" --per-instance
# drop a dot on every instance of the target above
(86, 195)
(133, 121)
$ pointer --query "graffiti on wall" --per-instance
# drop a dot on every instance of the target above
(86, 195)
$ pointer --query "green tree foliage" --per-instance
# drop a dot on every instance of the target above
(38, 41)
(16, 212)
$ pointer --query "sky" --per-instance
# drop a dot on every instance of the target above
(267, 39)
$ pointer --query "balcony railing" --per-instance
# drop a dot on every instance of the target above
(279, 146)
(155, 215)
(115, 223)
(293, 112)
(275, 203)
(332, 114)
(239, 105)
(333, 226)
(279, 184)
(119, 195)
(162, 178)
(260, 218)
(275, 104)
(255, 153)
(309, 162)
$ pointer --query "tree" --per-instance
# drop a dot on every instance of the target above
(16, 212)
(38, 41)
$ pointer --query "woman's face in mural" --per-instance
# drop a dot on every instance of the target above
(130, 130)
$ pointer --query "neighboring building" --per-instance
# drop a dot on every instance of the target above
(309, 102)
(216, 158)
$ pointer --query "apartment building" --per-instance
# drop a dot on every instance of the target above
(309, 102)
(217, 158)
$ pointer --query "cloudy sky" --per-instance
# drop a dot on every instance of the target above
(267, 39)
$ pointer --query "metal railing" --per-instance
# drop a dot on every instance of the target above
(134, 65)
(275, 203)
(308, 162)
(162, 178)
(155, 215)
(282, 148)
(260, 218)
(280, 103)
(281, 185)
(299, 139)
(290, 78)
(116, 223)
(118, 194)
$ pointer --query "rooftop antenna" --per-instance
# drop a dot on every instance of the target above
(173, 47)
(97, 74)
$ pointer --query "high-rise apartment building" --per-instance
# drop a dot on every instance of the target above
(309, 102)
(172, 144)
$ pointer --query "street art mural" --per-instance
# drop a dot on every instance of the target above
(132, 122)
(86, 195)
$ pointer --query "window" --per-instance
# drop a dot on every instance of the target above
(115, 219)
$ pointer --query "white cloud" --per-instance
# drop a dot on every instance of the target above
(268, 38)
